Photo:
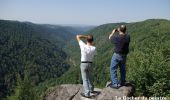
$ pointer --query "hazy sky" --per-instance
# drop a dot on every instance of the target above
(90, 12)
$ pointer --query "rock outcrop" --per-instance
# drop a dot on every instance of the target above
(72, 92)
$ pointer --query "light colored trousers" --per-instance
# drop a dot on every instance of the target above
(86, 73)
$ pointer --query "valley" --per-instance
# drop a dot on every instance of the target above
(48, 55)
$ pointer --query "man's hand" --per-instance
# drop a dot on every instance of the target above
(110, 36)
(78, 37)
(114, 30)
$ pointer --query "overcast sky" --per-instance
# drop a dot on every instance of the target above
(84, 12)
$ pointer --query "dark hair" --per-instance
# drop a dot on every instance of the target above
(90, 38)
(123, 28)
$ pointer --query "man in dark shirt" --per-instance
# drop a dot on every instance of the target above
(121, 43)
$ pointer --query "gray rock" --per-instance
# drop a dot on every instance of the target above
(64, 92)
(72, 92)
(112, 94)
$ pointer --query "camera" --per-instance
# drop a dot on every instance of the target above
(116, 30)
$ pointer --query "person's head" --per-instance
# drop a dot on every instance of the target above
(90, 39)
(122, 29)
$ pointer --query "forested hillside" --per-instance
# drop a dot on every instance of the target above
(32, 51)
(35, 57)
(148, 63)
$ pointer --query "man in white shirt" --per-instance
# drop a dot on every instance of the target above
(87, 54)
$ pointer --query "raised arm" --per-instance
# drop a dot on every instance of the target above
(79, 37)
(111, 35)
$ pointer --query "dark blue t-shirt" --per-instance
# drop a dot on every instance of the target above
(121, 43)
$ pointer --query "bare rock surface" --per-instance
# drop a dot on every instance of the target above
(72, 92)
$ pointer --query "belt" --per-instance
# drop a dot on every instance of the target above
(120, 54)
(86, 62)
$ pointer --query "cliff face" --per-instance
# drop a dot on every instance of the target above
(72, 92)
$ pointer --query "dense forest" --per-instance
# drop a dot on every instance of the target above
(35, 57)
(148, 63)
(31, 52)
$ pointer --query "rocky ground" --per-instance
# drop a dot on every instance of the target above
(72, 92)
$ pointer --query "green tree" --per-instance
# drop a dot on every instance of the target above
(24, 90)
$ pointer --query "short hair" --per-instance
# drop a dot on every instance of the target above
(123, 28)
(90, 38)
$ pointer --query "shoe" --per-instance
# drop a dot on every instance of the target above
(115, 86)
(95, 92)
(123, 83)
(83, 95)
(108, 84)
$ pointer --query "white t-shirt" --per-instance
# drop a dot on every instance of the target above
(87, 52)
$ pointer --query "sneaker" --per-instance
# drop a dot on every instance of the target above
(115, 86)
(83, 95)
(95, 92)
(108, 84)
